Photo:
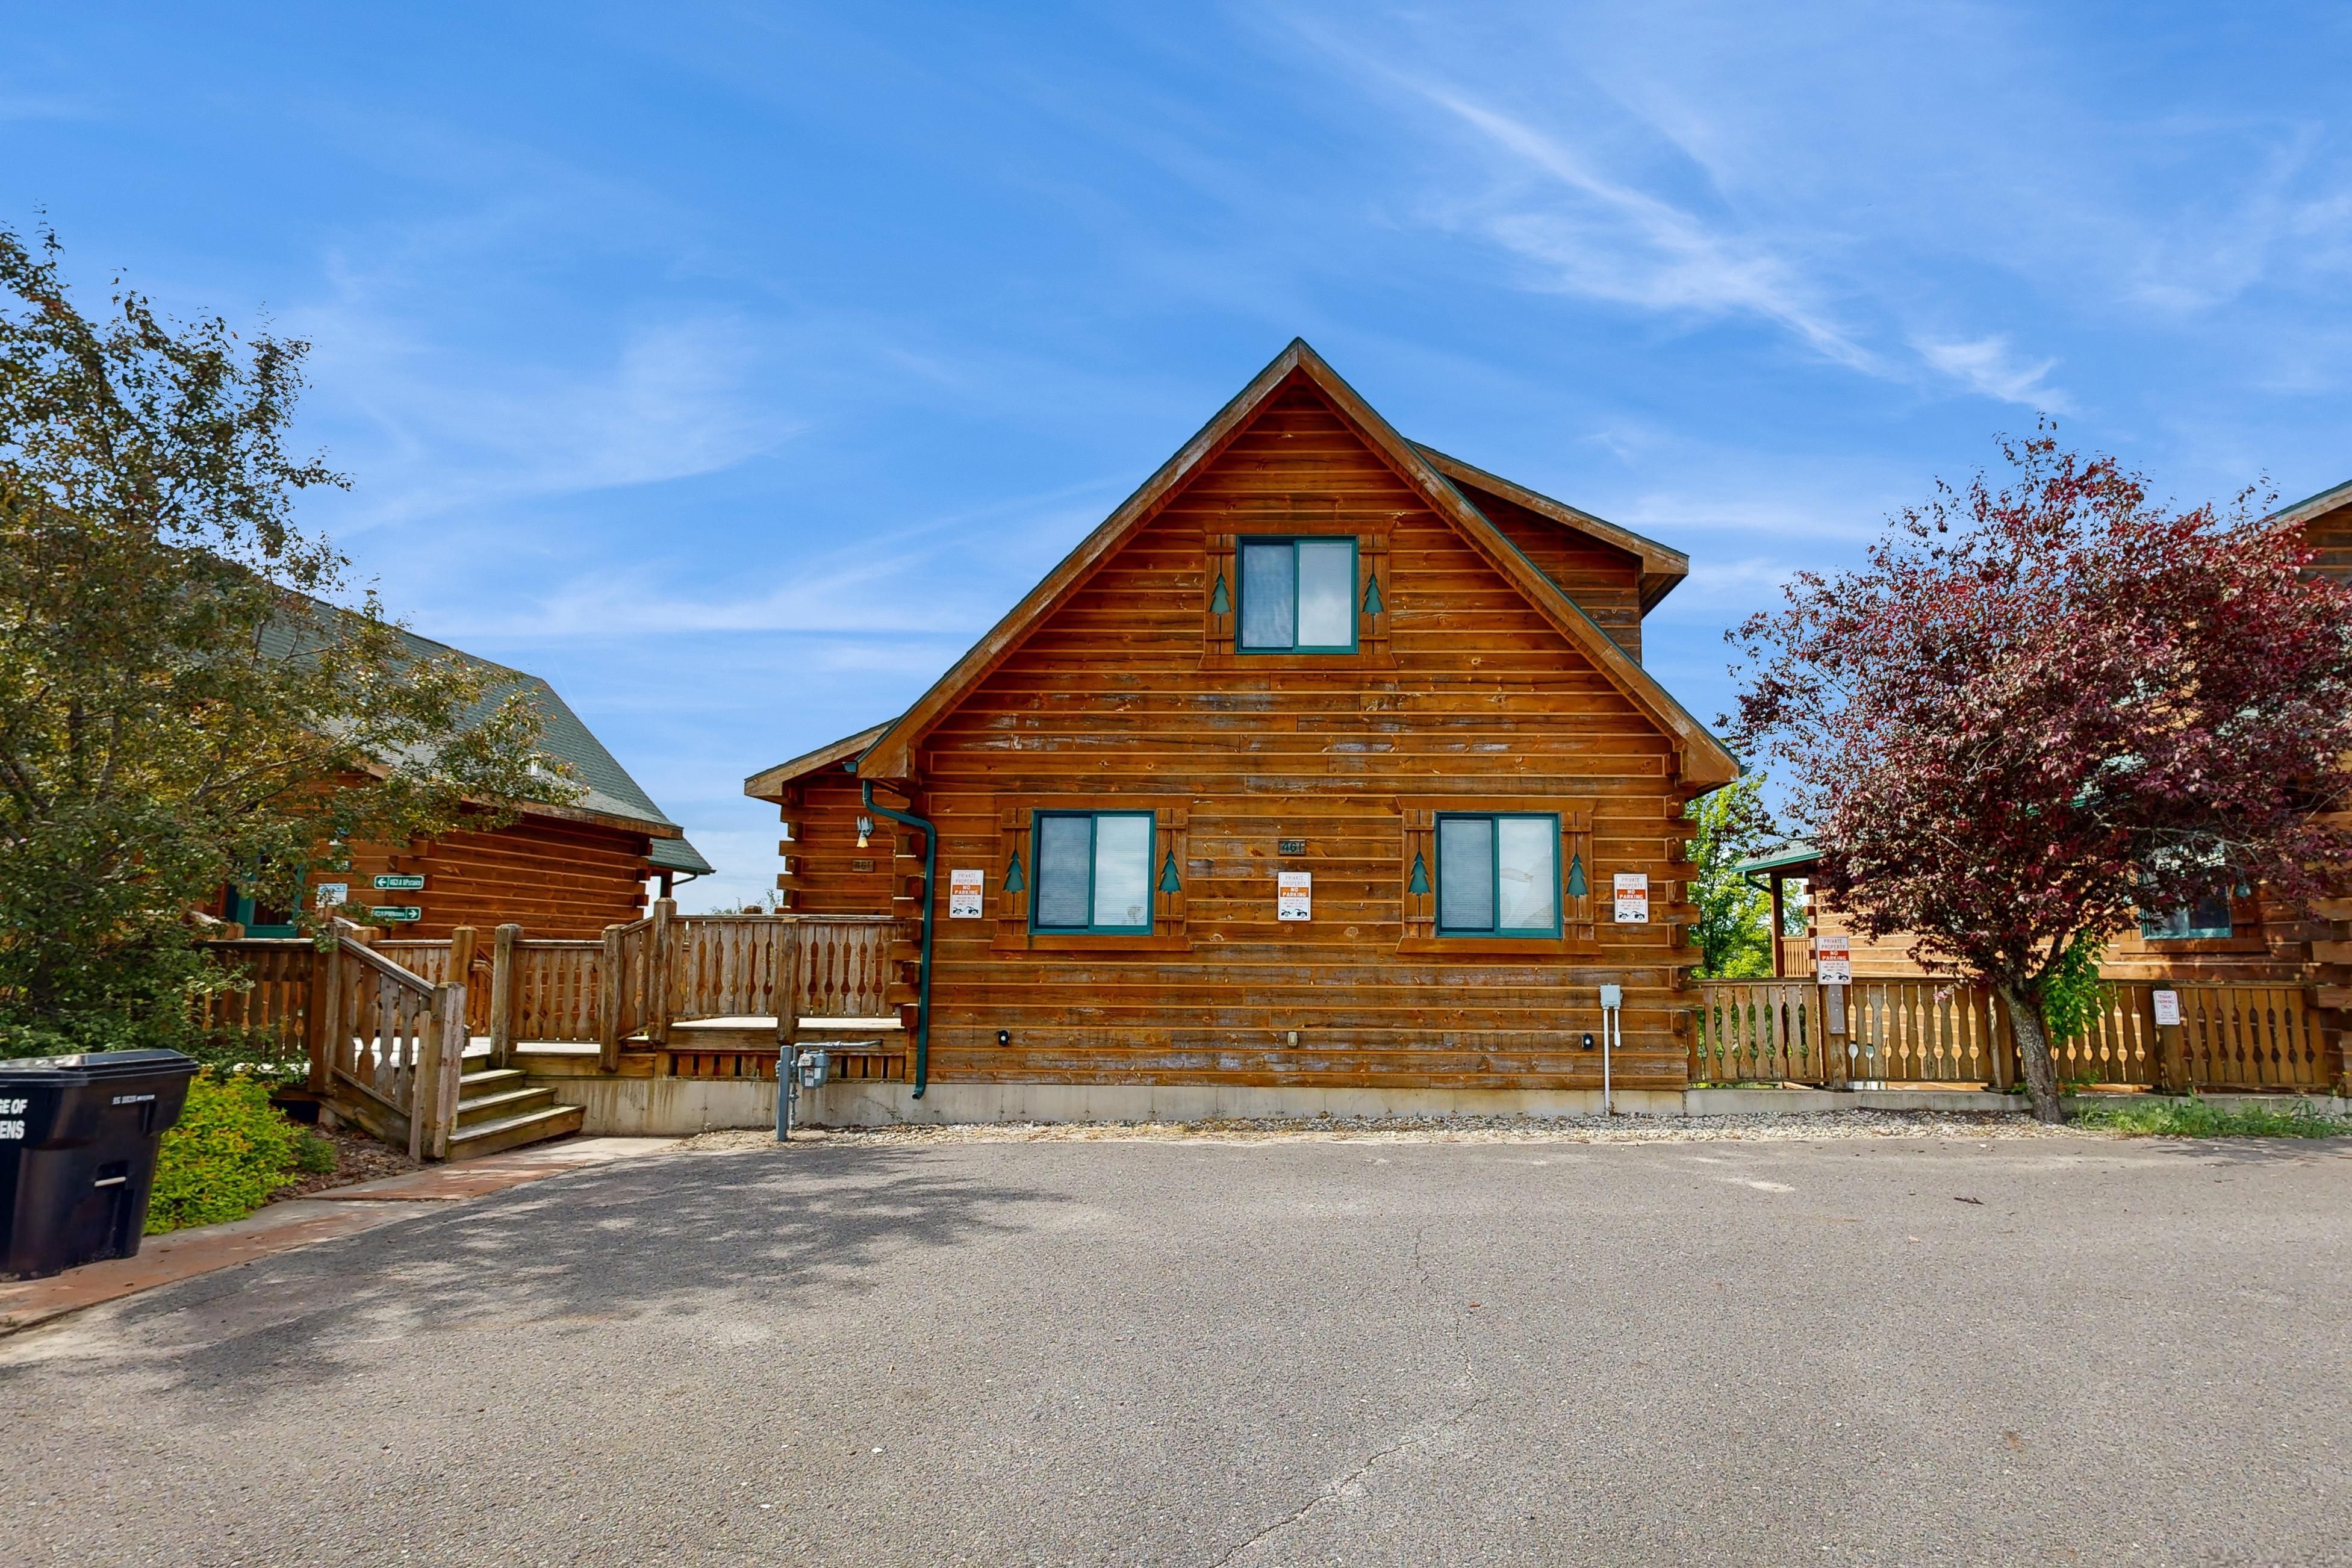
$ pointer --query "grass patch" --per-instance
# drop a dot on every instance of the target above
(2198, 1118)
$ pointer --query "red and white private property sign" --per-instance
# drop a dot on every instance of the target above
(1832, 960)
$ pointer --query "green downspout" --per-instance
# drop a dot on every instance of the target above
(923, 971)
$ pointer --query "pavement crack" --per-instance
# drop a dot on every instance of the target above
(1336, 1489)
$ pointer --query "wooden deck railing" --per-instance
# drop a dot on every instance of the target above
(645, 975)
(268, 1010)
(1922, 1031)
(385, 1024)
(725, 966)
(1945, 1031)
(1757, 1031)
(395, 1040)
(385, 1044)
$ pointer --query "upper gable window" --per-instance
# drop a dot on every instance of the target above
(1297, 595)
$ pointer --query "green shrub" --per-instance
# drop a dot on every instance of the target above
(2198, 1118)
(229, 1151)
(315, 1155)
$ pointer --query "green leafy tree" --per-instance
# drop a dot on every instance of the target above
(180, 705)
(1735, 916)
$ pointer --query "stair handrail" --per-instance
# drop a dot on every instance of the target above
(441, 1055)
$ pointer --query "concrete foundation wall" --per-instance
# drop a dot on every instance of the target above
(679, 1107)
(889, 1104)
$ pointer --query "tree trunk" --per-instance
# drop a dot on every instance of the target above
(2033, 1051)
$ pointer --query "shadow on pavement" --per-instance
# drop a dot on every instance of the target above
(2242, 1151)
(757, 1236)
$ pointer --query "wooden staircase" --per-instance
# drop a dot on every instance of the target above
(498, 1111)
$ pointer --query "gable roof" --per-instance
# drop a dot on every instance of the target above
(1662, 566)
(1705, 759)
(2310, 507)
(611, 796)
(1781, 857)
(769, 782)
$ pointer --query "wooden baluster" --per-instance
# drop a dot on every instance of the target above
(608, 1000)
(658, 959)
(315, 1007)
(787, 958)
(502, 994)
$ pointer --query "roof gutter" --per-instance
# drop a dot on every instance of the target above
(923, 971)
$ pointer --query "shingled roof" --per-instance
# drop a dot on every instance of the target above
(610, 793)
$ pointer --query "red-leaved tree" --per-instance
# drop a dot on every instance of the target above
(2044, 706)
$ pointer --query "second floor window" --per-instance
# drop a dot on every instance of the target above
(1297, 595)
(1093, 871)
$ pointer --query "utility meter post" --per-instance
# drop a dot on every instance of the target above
(787, 1082)
(1613, 1033)
(796, 1071)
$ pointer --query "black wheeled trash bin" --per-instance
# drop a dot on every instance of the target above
(78, 1141)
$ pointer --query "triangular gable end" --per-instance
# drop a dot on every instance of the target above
(1704, 759)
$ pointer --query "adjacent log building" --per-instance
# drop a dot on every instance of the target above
(560, 871)
(2251, 939)
(1317, 764)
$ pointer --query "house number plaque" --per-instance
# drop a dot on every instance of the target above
(1291, 846)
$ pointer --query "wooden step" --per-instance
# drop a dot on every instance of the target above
(514, 1132)
(475, 1109)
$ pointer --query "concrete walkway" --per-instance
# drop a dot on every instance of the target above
(321, 1217)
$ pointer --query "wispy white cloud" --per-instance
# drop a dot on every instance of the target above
(30, 106)
(446, 433)
(1990, 366)
(1626, 190)
(1614, 241)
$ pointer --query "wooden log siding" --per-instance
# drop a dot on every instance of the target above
(1107, 700)
(825, 873)
(1603, 580)
(558, 879)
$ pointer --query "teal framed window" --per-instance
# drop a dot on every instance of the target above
(259, 920)
(1297, 595)
(2207, 917)
(1498, 874)
(1093, 871)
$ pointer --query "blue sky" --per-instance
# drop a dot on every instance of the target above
(734, 366)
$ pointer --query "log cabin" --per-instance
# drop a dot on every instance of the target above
(561, 870)
(2249, 938)
(1318, 766)
(2252, 939)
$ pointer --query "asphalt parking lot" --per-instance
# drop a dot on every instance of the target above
(1897, 1350)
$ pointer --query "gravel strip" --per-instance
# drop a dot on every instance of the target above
(1762, 1126)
